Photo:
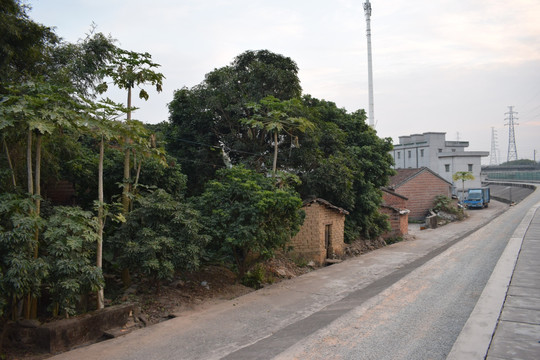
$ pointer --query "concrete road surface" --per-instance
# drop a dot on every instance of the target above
(364, 308)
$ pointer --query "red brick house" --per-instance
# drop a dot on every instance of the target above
(420, 187)
(395, 207)
(321, 236)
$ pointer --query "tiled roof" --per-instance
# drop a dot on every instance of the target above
(404, 175)
(326, 204)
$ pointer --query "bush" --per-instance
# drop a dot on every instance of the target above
(247, 217)
(160, 236)
(20, 272)
(70, 239)
(447, 205)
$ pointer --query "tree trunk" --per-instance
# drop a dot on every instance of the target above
(10, 164)
(37, 192)
(126, 188)
(29, 163)
(274, 167)
(99, 252)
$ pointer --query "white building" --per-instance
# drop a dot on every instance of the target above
(445, 158)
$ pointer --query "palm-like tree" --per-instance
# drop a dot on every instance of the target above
(274, 117)
(462, 175)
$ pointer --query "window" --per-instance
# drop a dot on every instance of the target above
(409, 154)
(447, 167)
(470, 167)
(453, 150)
(440, 150)
(398, 155)
(421, 152)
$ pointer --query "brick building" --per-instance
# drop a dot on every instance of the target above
(321, 236)
(420, 187)
(395, 206)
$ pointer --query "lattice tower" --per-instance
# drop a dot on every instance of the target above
(511, 121)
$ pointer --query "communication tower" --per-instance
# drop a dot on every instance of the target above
(512, 151)
(367, 11)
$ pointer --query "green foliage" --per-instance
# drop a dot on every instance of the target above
(256, 277)
(161, 235)
(20, 272)
(70, 241)
(393, 240)
(247, 217)
(445, 204)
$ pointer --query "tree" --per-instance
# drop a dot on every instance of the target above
(20, 272)
(273, 117)
(206, 119)
(161, 235)
(127, 70)
(70, 240)
(247, 217)
(462, 175)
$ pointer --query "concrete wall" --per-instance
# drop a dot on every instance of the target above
(421, 192)
(309, 243)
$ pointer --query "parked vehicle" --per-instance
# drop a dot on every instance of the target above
(477, 198)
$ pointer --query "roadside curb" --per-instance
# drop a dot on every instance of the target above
(475, 338)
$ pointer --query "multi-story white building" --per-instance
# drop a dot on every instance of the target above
(445, 158)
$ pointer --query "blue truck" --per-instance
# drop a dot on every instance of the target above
(477, 198)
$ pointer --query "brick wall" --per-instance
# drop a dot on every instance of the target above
(421, 192)
(309, 243)
(399, 223)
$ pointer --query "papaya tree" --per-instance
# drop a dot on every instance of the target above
(129, 69)
(273, 117)
(463, 176)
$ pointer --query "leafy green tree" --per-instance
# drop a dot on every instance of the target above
(273, 117)
(20, 272)
(70, 239)
(161, 236)
(247, 217)
(463, 176)
(129, 69)
(206, 120)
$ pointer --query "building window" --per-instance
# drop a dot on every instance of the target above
(470, 167)
(453, 150)
(421, 152)
(440, 150)
(447, 167)
(409, 154)
(398, 155)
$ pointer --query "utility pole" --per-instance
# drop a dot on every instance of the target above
(512, 150)
(494, 150)
(367, 11)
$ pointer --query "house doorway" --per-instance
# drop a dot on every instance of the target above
(328, 240)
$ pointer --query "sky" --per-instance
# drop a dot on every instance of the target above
(438, 66)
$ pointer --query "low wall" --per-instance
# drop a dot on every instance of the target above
(62, 335)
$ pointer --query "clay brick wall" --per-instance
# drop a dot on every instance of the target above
(309, 243)
(421, 192)
(399, 223)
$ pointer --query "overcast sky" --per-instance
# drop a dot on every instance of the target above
(439, 65)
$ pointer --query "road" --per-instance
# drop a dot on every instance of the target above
(406, 301)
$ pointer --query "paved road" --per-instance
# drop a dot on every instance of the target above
(409, 300)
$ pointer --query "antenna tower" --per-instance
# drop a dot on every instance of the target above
(367, 11)
(494, 150)
(512, 151)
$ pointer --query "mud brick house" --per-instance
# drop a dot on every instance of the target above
(420, 187)
(395, 206)
(321, 236)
